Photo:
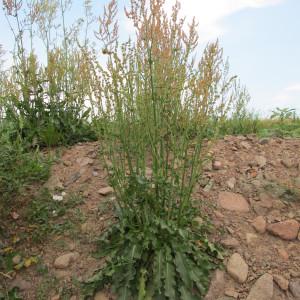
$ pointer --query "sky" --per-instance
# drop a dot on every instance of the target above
(261, 39)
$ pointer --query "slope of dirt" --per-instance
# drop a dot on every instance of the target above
(252, 187)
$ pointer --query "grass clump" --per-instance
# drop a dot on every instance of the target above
(152, 94)
(18, 167)
(277, 128)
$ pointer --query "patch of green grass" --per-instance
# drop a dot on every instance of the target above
(249, 124)
(73, 200)
(45, 215)
(280, 129)
(105, 206)
(284, 192)
(48, 284)
(18, 168)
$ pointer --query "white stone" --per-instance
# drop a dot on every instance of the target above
(262, 289)
(237, 268)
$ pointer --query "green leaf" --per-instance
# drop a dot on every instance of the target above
(186, 295)
(170, 281)
(183, 269)
(158, 269)
(135, 252)
(142, 285)
(124, 293)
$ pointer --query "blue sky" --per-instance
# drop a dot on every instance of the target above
(260, 37)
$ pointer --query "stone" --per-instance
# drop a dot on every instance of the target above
(209, 186)
(219, 215)
(57, 198)
(287, 163)
(203, 181)
(281, 282)
(95, 173)
(274, 216)
(261, 161)
(20, 283)
(67, 163)
(53, 183)
(231, 183)
(217, 286)
(73, 178)
(251, 238)
(85, 194)
(286, 230)
(100, 296)
(84, 161)
(16, 259)
(231, 292)
(106, 191)
(233, 202)
(264, 141)
(230, 243)
(262, 289)
(217, 165)
(245, 145)
(266, 200)
(207, 166)
(294, 287)
(283, 254)
(62, 274)
(259, 224)
(15, 215)
(237, 268)
(65, 260)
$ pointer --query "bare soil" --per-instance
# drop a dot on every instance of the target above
(265, 173)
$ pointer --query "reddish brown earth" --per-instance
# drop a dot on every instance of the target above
(250, 191)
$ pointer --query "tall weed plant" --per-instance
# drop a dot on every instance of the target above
(48, 102)
(151, 94)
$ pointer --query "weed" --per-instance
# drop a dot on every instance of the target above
(152, 96)
(283, 114)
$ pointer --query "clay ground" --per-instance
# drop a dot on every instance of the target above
(250, 192)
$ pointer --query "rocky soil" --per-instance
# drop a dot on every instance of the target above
(250, 191)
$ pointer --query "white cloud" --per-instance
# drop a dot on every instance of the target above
(210, 13)
(289, 97)
(293, 88)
